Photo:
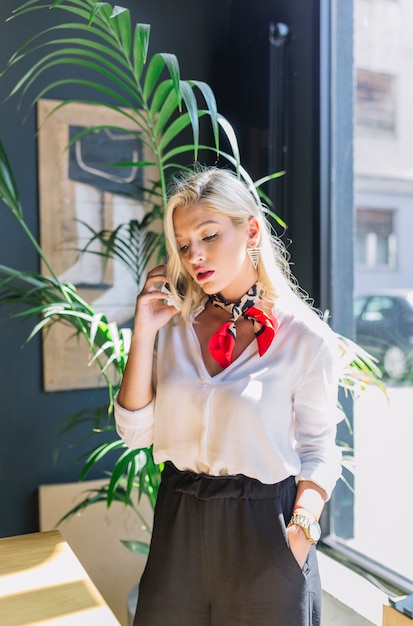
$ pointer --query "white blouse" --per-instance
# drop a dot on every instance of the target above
(265, 417)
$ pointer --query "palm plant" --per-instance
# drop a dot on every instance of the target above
(164, 111)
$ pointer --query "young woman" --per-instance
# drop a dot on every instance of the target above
(241, 405)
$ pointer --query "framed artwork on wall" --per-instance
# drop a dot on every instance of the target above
(79, 187)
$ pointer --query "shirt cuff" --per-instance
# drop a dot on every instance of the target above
(325, 476)
(134, 427)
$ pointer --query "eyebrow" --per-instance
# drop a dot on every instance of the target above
(199, 226)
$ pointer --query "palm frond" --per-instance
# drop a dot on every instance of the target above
(132, 243)
(361, 369)
(160, 109)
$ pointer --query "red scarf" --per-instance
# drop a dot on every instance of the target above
(222, 343)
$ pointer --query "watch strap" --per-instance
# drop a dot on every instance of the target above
(305, 522)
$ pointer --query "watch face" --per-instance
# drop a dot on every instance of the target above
(315, 531)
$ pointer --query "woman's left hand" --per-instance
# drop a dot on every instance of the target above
(299, 544)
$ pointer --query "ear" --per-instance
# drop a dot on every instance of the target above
(253, 230)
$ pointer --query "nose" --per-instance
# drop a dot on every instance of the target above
(196, 255)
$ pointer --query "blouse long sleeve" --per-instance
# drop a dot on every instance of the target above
(135, 427)
(316, 414)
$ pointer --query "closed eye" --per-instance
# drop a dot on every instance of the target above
(183, 249)
(211, 237)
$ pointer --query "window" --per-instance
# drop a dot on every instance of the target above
(375, 244)
(375, 101)
(363, 514)
(378, 309)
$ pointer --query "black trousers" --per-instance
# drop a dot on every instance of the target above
(219, 556)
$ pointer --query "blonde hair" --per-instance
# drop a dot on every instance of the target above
(222, 191)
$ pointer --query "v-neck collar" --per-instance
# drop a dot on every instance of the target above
(250, 348)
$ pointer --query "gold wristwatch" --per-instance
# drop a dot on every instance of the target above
(309, 525)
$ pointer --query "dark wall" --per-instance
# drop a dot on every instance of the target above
(30, 416)
(224, 42)
(246, 76)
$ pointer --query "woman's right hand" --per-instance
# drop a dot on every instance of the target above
(152, 312)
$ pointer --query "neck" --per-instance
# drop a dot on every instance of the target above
(221, 295)
(233, 293)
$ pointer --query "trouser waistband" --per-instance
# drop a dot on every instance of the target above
(204, 486)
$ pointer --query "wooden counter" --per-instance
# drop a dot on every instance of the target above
(43, 582)
(391, 617)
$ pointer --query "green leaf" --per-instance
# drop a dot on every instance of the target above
(131, 476)
(94, 327)
(162, 92)
(140, 48)
(275, 216)
(90, 130)
(119, 470)
(85, 83)
(155, 67)
(172, 64)
(131, 243)
(183, 148)
(101, 495)
(232, 139)
(24, 7)
(79, 8)
(266, 179)
(191, 106)
(169, 107)
(108, 70)
(150, 477)
(99, 48)
(100, 7)
(105, 348)
(93, 37)
(81, 506)
(98, 454)
(174, 129)
(121, 17)
(210, 101)
(8, 188)
(137, 547)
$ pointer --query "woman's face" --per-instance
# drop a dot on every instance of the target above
(214, 251)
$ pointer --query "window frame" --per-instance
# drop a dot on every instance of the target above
(336, 187)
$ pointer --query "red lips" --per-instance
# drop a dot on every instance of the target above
(203, 274)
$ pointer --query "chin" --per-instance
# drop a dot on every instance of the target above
(209, 289)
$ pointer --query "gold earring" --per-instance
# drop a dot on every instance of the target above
(254, 254)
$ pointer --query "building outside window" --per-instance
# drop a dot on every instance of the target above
(375, 99)
(376, 241)
(366, 520)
